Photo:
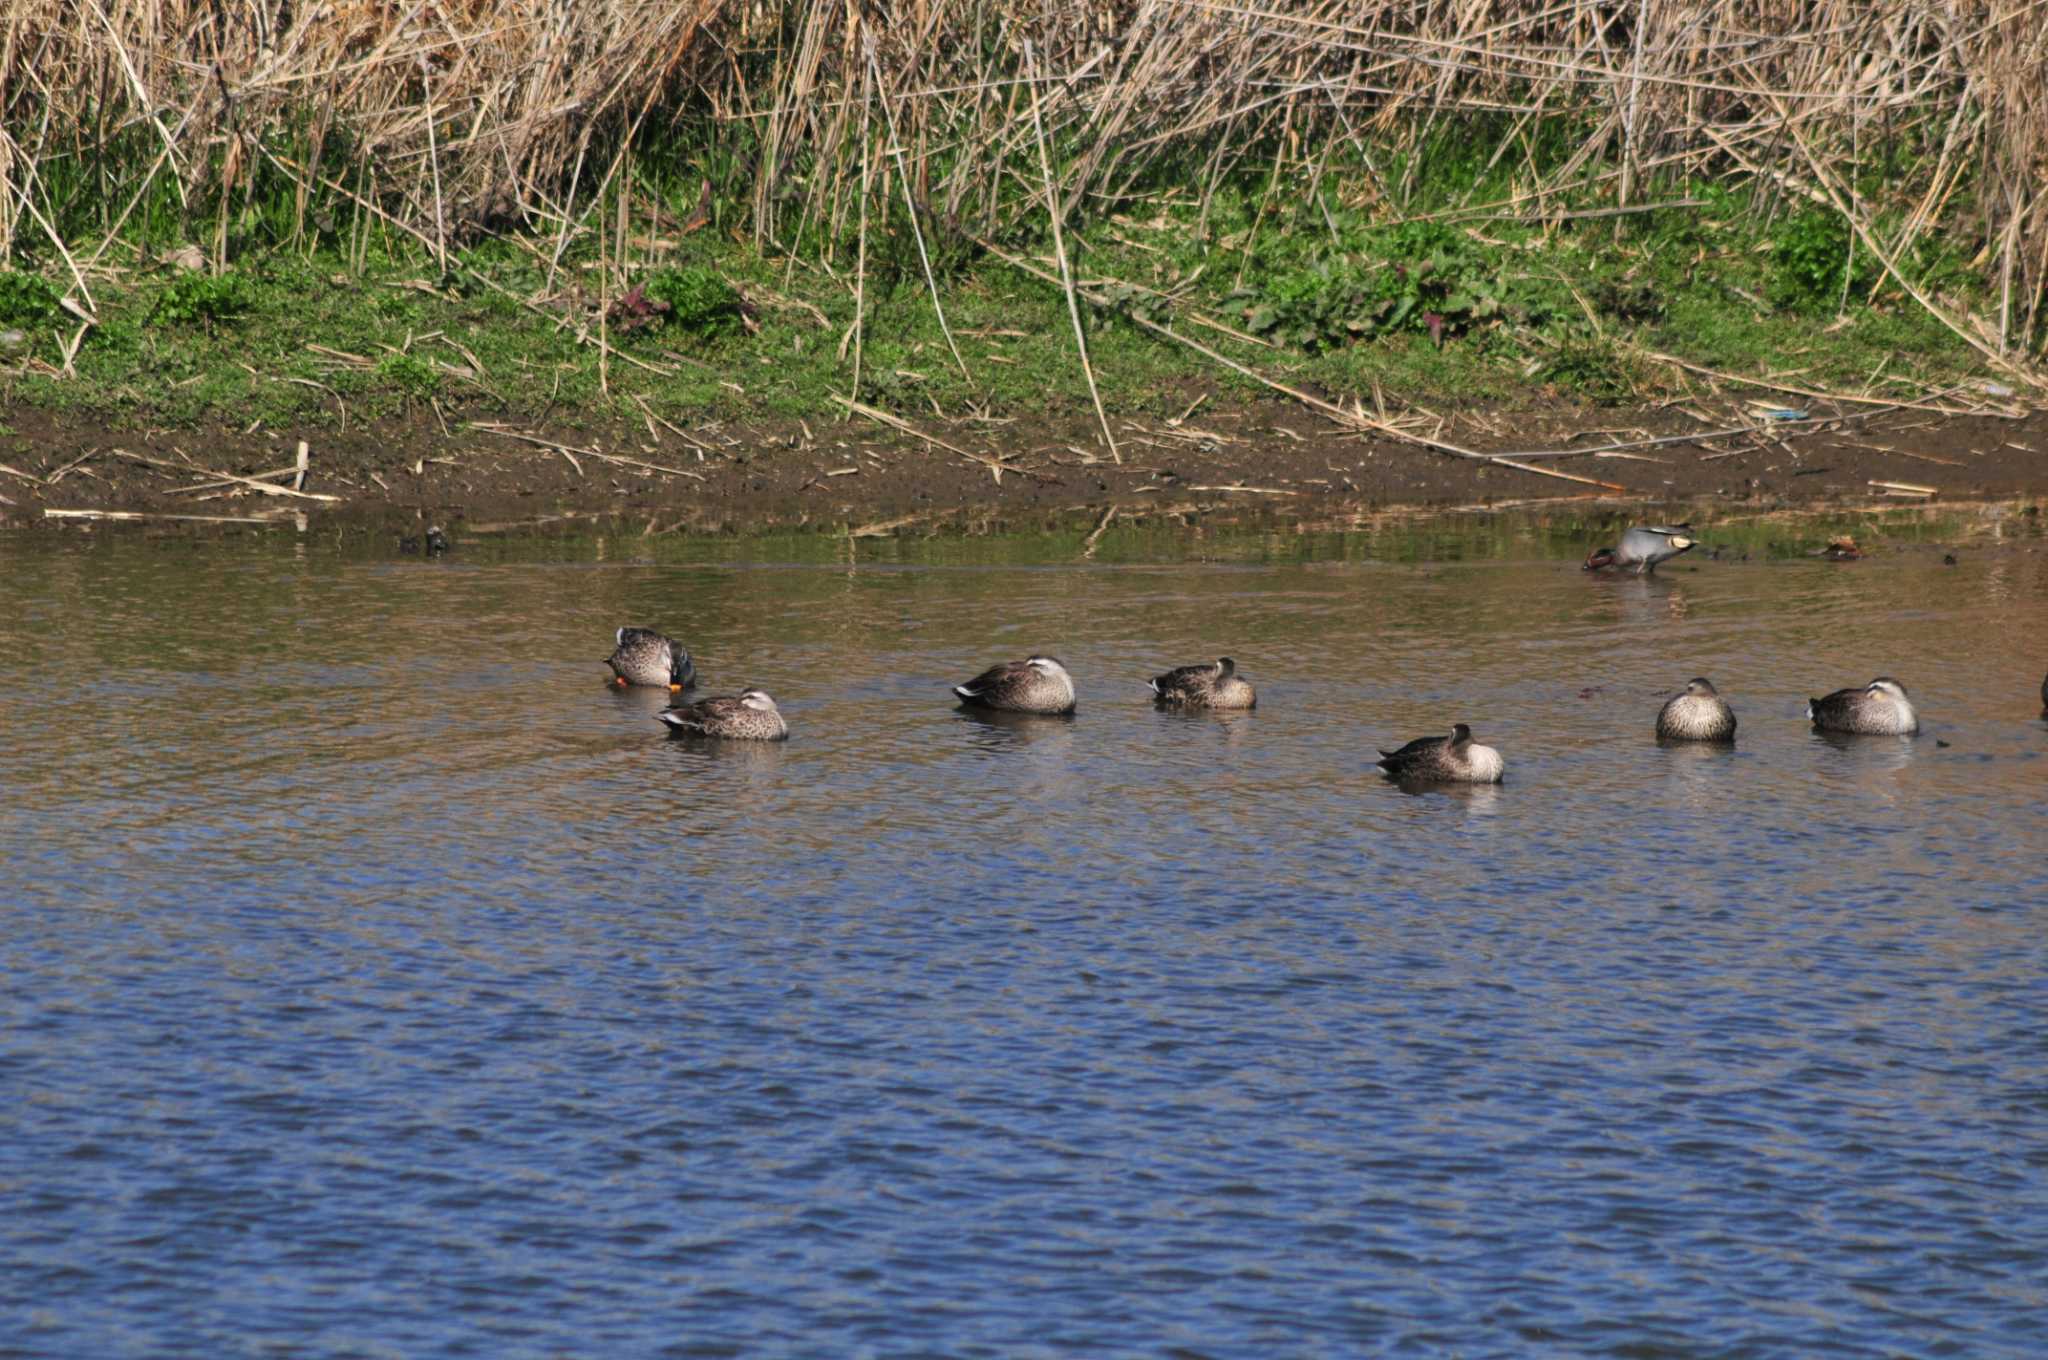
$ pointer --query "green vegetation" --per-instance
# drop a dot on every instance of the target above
(1428, 310)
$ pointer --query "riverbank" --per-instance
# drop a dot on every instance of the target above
(873, 474)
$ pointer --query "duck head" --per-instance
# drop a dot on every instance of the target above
(1884, 684)
(1461, 734)
(757, 700)
(1701, 687)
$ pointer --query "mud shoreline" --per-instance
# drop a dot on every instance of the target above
(1264, 460)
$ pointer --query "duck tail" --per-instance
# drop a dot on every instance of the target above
(966, 693)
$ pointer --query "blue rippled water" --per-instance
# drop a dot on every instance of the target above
(375, 983)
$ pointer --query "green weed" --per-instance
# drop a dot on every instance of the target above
(203, 299)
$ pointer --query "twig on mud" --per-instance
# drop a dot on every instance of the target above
(226, 477)
(699, 445)
(276, 517)
(17, 472)
(1922, 404)
(58, 475)
(996, 466)
(570, 452)
(882, 528)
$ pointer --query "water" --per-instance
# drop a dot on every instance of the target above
(374, 982)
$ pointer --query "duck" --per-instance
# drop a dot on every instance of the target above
(1212, 684)
(1643, 547)
(646, 657)
(1038, 684)
(1698, 714)
(1879, 708)
(1454, 759)
(747, 716)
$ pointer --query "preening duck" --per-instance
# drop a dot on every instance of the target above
(645, 657)
(1879, 708)
(1039, 684)
(1454, 759)
(1213, 684)
(748, 716)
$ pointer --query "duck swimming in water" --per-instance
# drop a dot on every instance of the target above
(1879, 709)
(1214, 684)
(1643, 548)
(748, 716)
(1698, 714)
(1454, 759)
(645, 657)
(1039, 684)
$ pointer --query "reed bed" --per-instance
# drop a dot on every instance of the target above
(807, 122)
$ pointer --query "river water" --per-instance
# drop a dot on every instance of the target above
(376, 983)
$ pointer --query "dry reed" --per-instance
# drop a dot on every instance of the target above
(468, 114)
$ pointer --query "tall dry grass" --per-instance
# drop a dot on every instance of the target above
(456, 113)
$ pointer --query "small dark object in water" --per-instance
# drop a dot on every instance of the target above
(437, 542)
(1948, 559)
(1842, 549)
(409, 545)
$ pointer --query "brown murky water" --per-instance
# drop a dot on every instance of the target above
(375, 981)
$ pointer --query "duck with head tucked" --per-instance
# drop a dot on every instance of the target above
(1643, 547)
(748, 716)
(1699, 713)
(1879, 709)
(1456, 759)
(645, 657)
(1038, 684)
(1212, 684)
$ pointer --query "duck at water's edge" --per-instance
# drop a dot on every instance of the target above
(1878, 709)
(1454, 759)
(1215, 684)
(645, 657)
(1039, 684)
(1643, 548)
(1699, 714)
(748, 716)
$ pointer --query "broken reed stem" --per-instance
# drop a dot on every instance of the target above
(1355, 420)
(1052, 207)
(860, 267)
(910, 207)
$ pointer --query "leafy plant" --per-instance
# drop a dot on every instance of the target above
(27, 299)
(1810, 260)
(1595, 369)
(204, 299)
(1428, 279)
(697, 301)
(413, 376)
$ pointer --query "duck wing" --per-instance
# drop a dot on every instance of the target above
(993, 680)
(1188, 680)
(1417, 754)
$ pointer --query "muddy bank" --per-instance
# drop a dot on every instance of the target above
(868, 478)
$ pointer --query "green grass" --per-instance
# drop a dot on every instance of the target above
(1350, 298)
